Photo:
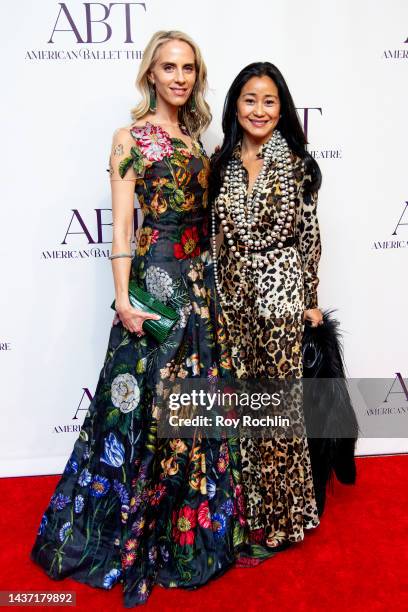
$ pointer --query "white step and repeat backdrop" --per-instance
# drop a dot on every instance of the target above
(68, 82)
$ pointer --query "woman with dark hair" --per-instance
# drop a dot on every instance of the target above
(264, 194)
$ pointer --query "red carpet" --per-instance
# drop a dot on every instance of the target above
(355, 560)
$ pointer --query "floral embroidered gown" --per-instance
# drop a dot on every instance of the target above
(131, 507)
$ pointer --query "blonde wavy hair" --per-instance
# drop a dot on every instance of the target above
(197, 120)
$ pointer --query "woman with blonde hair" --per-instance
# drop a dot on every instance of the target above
(131, 507)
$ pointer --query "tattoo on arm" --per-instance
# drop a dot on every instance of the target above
(118, 149)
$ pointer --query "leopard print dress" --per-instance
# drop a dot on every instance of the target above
(265, 340)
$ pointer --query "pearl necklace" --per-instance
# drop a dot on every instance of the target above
(243, 211)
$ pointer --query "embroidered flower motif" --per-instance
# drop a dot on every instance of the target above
(143, 590)
(59, 501)
(128, 559)
(228, 507)
(135, 159)
(79, 503)
(184, 152)
(239, 508)
(219, 523)
(204, 312)
(212, 373)
(114, 451)
(183, 526)
(131, 544)
(157, 494)
(203, 178)
(147, 237)
(72, 465)
(181, 372)
(178, 446)
(153, 554)
(211, 488)
(188, 245)
(166, 371)
(124, 513)
(195, 481)
(99, 486)
(111, 578)
(159, 283)
(226, 360)
(158, 205)
(188, 204)
(125, 393)
(160, 182)
(204, 516)
(153, 141)
(43, 525)
(121, 491)
(65, 531)
(170, 466)
(223, 458)
(184, 313)
(138, 526)
(84, 478)
(193, 362)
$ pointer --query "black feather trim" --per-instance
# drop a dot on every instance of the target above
(329, 413)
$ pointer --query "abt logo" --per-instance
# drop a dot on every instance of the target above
(94, 21)
(400, 222)
(400, 242)
(86, 398)
(306, 117)
(399, 382)
(91, 233)
(95, 235)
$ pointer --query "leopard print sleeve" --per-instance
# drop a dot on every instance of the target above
(308, 241)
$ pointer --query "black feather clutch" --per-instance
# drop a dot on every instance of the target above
(329, 414)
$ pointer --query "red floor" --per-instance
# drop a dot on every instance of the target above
(357, 559)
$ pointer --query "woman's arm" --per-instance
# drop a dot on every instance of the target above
(123, 194)
(123, 178)
(309, 246)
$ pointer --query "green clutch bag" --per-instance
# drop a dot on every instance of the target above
(140, 299)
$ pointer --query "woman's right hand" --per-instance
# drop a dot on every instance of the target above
(133, 319)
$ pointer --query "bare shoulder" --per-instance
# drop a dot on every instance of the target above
(122, 140)
(122, 132)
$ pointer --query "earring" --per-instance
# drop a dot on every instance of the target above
(153, 101)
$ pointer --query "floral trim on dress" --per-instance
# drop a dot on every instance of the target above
(153, 141)
(147, 237)
(188, 246)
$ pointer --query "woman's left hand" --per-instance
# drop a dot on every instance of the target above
(314, 315)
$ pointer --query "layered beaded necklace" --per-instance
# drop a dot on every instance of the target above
(242, 211)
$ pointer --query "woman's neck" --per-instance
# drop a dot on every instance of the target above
(166, 113)
(250, 145)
